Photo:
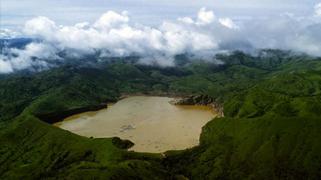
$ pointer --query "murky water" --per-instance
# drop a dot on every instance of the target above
(152, 123)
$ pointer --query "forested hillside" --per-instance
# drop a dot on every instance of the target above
(270, 129)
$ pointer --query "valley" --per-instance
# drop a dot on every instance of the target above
(270, 128)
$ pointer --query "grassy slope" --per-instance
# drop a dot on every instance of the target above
(270, 132)
(32, 149)
(270, 129)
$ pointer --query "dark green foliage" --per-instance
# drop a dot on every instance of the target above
(271, 127)
(31, 149)
(122, 144)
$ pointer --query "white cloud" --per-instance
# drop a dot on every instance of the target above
(40, 26)
(205, 17)
(113, 34)
(111, 19)
(37, 55)
(82, 25)
(5, 66)
(227, 22)
(317, 9)
(186, 20)
(7, 33)
(39, 50)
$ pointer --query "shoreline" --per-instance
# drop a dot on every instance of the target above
(56, 117)
(142, 120)
(200, 100)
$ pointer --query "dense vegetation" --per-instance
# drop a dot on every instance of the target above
(271, 127)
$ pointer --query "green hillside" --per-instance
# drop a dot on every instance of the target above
(270, 129)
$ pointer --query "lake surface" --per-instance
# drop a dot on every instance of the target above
(152, 123)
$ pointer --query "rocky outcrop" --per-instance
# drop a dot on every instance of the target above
(122, 144)
(203, 100)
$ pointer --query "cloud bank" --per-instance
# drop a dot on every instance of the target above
(113, 34)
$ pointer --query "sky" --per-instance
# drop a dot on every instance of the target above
(156, 31)
(14, 13)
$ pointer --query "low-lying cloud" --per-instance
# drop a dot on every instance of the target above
(113, 34)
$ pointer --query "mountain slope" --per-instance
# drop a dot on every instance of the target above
(270, 129)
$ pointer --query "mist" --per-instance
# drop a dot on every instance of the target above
(114, 34)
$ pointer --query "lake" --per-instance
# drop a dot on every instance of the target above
(152, 123)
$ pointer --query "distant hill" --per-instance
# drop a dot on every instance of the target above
(15, 42)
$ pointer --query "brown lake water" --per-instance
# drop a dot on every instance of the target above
(152, 123)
